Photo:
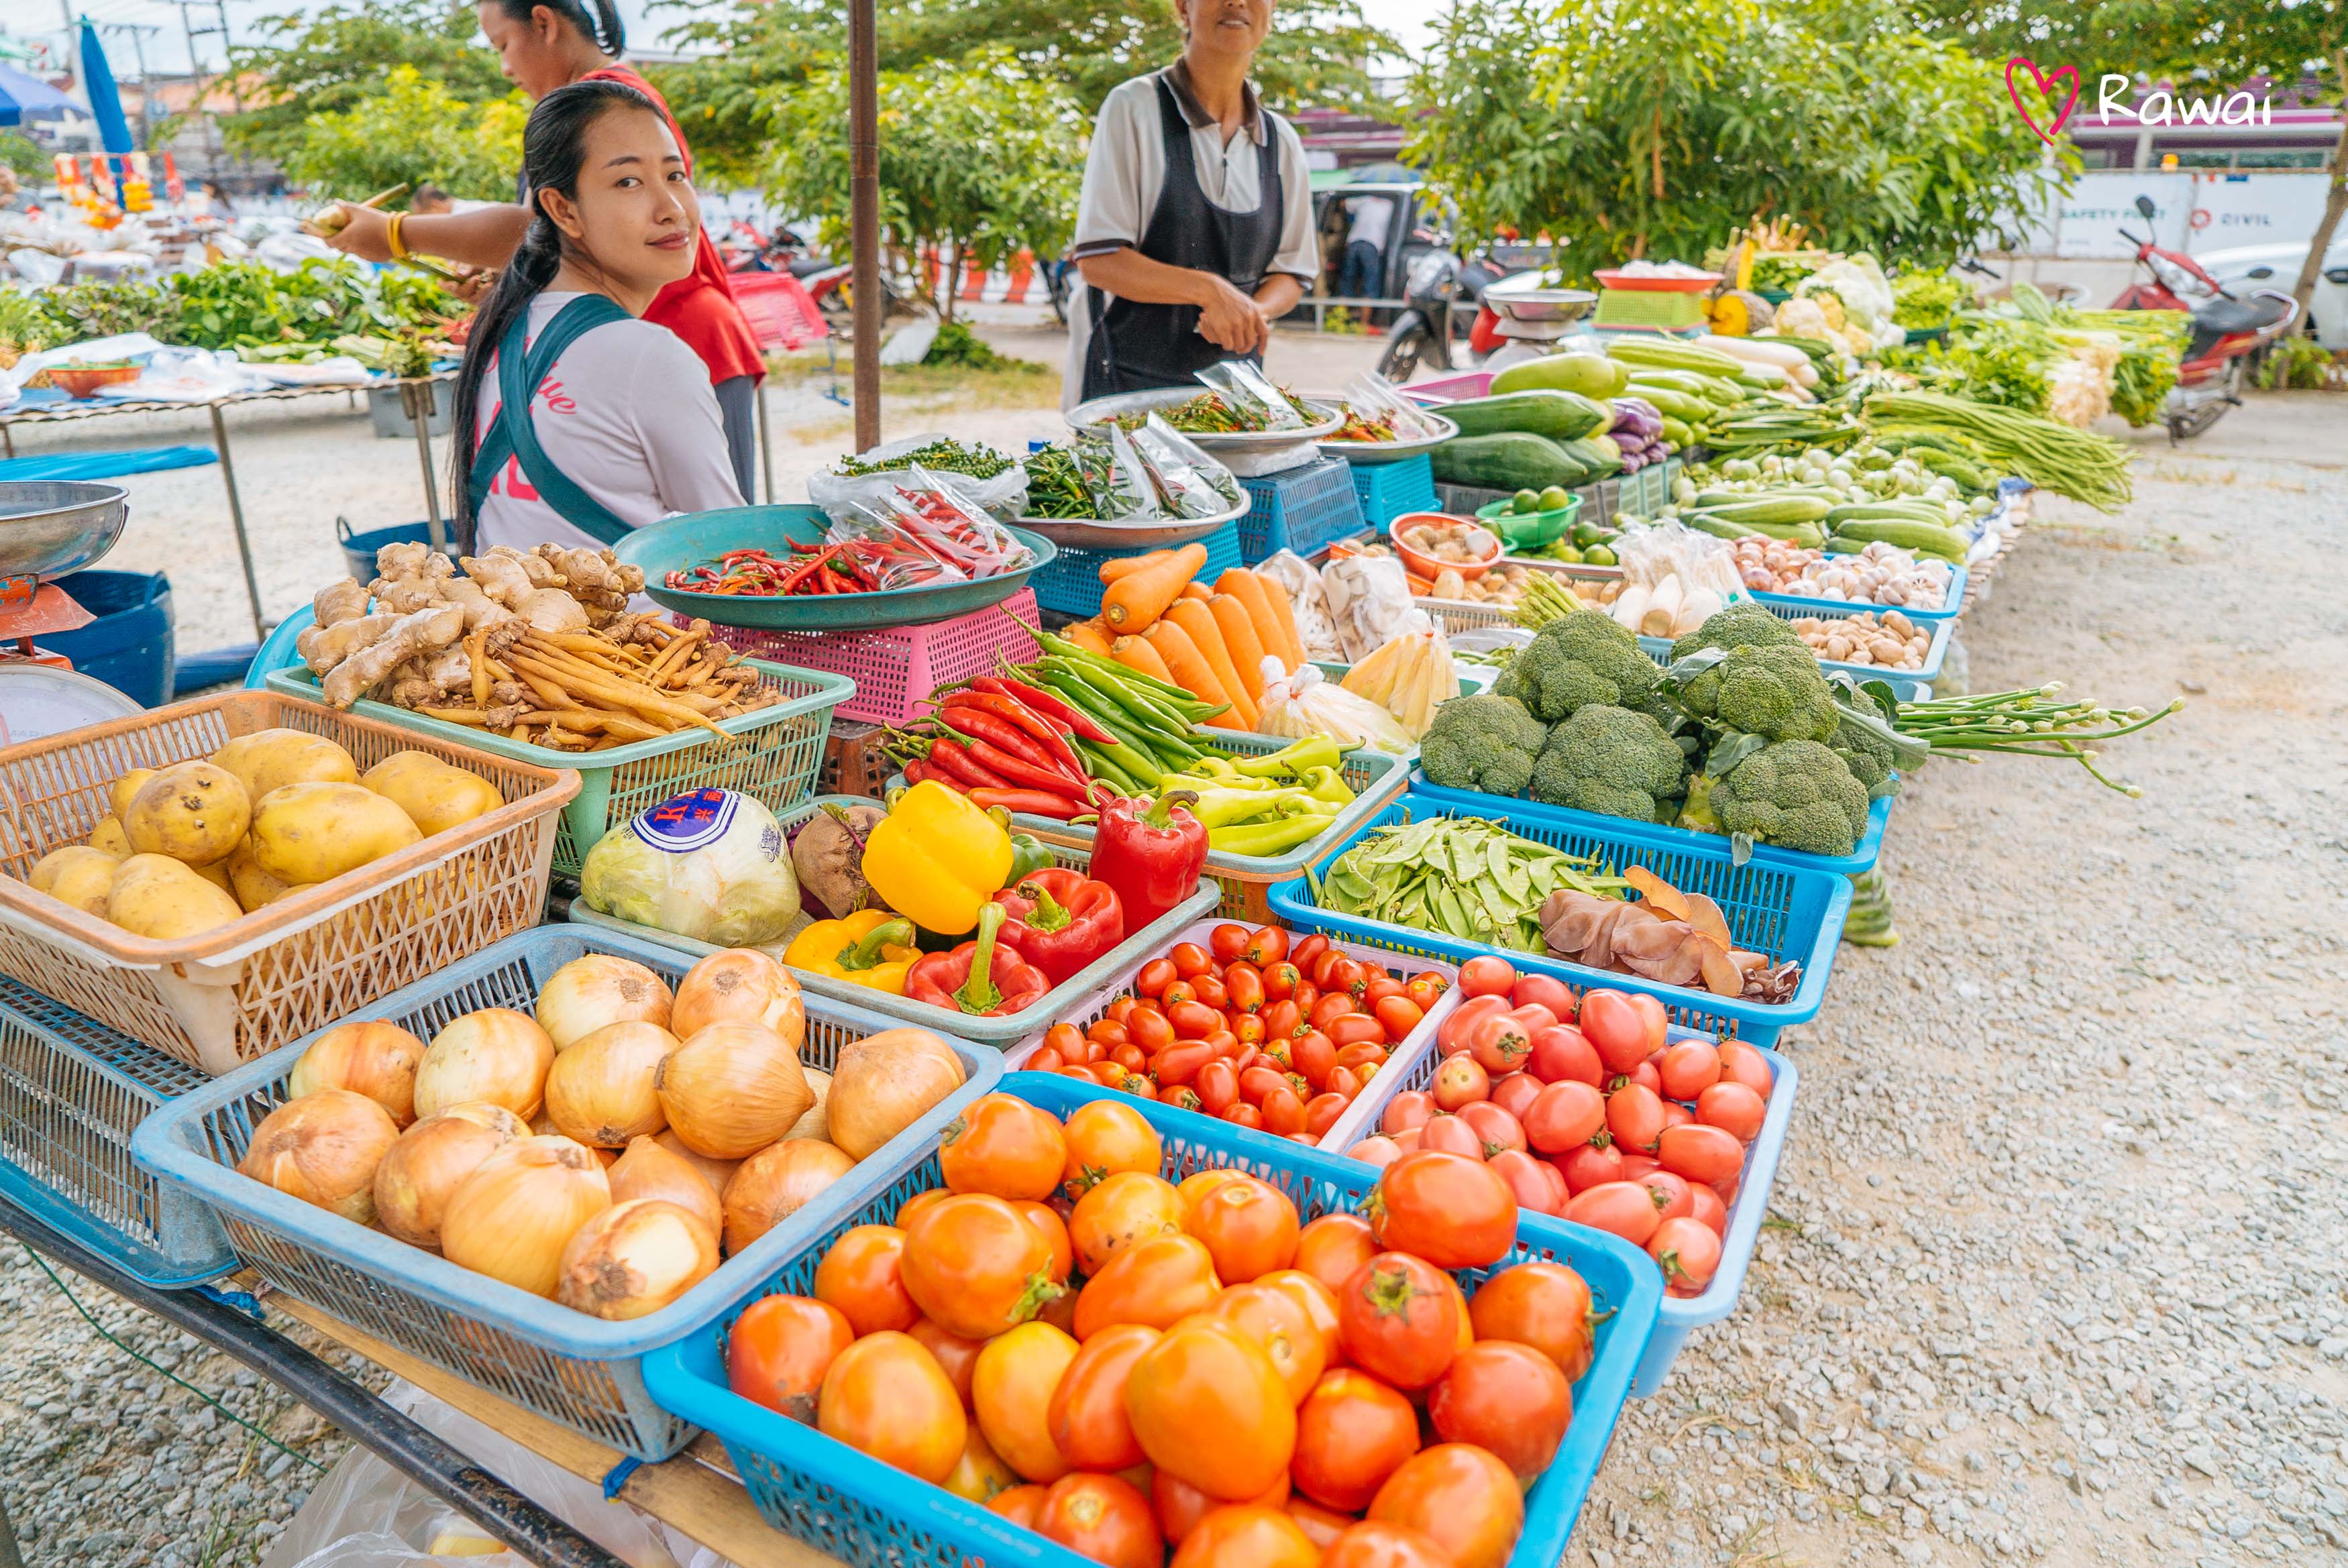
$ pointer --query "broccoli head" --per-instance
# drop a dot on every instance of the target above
(1777, 692)
(1578, 660)
(1612, 761)
(1866, 753)
(1741, 625)
(1484, 744)
(1796, 794)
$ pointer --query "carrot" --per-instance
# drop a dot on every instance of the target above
(1248, 589)
(1110, 570)
(1199, 591)
(1240, 637)
(1197, 622)
(1136, 653)
(1281, 611)
(1189, 671)
(1141, 597)
(1088, 636)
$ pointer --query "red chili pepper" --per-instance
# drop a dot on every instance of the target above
(956, 761)
(1014, 712)
(917, 771)
(1061, 920)
(1032, 802)
(1020, 771)
(981, 725)
(1049, 706)
(1152, 852)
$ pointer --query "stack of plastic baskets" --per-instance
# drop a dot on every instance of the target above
(897, 668)
(1304, 511)
(1070, 584)
(1387, 491)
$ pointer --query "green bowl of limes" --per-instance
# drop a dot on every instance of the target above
(1531, 519)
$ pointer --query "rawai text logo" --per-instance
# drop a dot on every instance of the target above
(2161, 107)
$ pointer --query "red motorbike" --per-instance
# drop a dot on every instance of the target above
(2229, 330)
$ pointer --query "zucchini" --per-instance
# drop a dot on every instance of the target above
(1587, 374)
(1774, 506)
(1508, 460)
(1559, 415)
(1598, 461)
(1670, 401)
(1729, 500)
(1675, 380)
(1675, 430)
(1672, 355)
(1807, 534)
(1917, 538)
(1887, 512)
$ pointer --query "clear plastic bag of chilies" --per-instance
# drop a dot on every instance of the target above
(877, 532)
(1380, 401)
(933, 528)
(1116, 477)
(1250, 391)
(1190, 483)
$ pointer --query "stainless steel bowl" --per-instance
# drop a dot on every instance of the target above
(1374, 451)
(1085, 415)
(49, 527)
(1141, 534)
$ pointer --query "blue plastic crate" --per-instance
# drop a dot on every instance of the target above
(1070, 584)
(1903, 682)
(1861, 858)
(872, 1515)
(1952, 605)
(1387, 491)
(1304, 509)
(584, 1372)
(72, 1092)
(1783, 911)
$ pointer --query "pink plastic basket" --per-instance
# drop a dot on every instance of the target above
(1452, 388)
(782, 313)
(897, 668)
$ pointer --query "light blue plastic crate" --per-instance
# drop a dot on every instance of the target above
(1070, 584)
(1780, 910)
(1952, 605)
(584, 1372)
(1861, 858)
(1304, 511)
(1681, 1314)
(1387, 491)
(872, 1515)
(1903, 682)
(72, 1091)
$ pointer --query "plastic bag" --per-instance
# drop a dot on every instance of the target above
(1114, 476)
(1378, 400)
(929, 528)
(1675, 578)
(1306, 604)
(1004, 496)
(709, 864)
(1306, 703)
(1369, 602)
(1188, 482)
(1244, 386)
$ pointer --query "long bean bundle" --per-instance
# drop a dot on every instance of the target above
(2055, 456)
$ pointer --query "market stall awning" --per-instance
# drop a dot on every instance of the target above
(23, 97)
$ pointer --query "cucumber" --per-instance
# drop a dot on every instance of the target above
(1729, 500)
(1508, 460)
(1917, 538)
(1675, 430)
(1887, 511)
(1671, 401)
(1661, 355)
(1587, 374)
(1809, 536)
(1598, 461)
(1559, 415)
(1675, 380)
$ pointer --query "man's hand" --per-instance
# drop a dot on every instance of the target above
(365, 233)
(1229, 319)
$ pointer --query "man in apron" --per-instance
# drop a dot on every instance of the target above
(1195, 229)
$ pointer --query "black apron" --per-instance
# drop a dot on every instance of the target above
(522, 368)
(1136, 347)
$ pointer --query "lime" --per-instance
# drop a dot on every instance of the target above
(1554, 498)
(1565, 552)
(1598, 554)
(1525, 501)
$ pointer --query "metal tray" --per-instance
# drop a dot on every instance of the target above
(1142, 534)
(1370, 452)
(1085, 415)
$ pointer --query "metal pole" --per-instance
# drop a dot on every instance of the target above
(864, 212)
(236, 515)
(416, 400)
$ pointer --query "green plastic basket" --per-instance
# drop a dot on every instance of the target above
(776, 757)
(1528, 530)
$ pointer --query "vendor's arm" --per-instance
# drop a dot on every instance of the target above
(484, 237)
(1227, 318)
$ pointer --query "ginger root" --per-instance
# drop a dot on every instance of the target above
(421, 632)
(323, 647)
(339, 601)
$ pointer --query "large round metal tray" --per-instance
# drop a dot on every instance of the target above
(1373, 452)
(1085, 415)
(49, 527)
(1142, 534)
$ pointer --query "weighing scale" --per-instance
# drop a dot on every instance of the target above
(48, 528)
(1533, 318)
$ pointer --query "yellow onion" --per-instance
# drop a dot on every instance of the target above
(649, 1171)
(496, 1054)
(324, 1149)
(883, 1084)
(635, 1258)
(511, 1218)
(430, 1161)
(373, 1058)
(773, 1183)
(815, 1124)
(740, 984)
(588, 993)
(599, 1092)
(732, 1089)
(717, 1173)
(542, 1126)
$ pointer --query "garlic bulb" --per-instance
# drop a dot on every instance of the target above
(511, 1218)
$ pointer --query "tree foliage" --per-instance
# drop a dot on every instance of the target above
(411, 132)
(328, 61)
(2231, 40)
(1624, 130)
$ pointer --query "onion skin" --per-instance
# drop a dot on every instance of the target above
(496, 1054)
(431, 1160)
(635, 1258)
(883, 1083)
(816, 1123)
(733, 1089)
(599, 1092)
(324, 1149)
(372, 1058)
(520, 1208)
(717, 1173)
(774, 1183)
(648, 1170)
(740, 984)
(590, 994)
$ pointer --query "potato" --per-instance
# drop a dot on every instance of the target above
(75, 875)
(272, 759)
(314, 831)
(194, 812)
(119, 794)
(157, 895)
(252, 885)
(108, 838)
(435, 794)
(217, 874)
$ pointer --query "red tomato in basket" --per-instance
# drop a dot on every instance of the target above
(1227, 941)
(1547, 991)
(1560, 1053)
(1589, 1166)
(1733, 1108)
(1488, 975)
(1516, 1092)
(1498, 1130)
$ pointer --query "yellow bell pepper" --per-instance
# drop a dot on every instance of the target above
(871, 947)
(938, 858)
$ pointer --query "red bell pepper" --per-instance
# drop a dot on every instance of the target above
(1060, 920)
(1151, 853)
(983, 978)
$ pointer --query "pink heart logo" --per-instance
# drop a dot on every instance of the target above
(2044, 83)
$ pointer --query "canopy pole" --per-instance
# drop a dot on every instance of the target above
(864, 212)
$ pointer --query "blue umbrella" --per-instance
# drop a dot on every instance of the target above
(21, 96)
(105, 102)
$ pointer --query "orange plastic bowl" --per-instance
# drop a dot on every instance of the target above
(1428, 566)
(84, 380)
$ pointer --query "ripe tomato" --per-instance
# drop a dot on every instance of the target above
(1589, 1165)
(1398, 1316)
(1532, 1189)
(1249, 1226)
(1284, 1111)
(1382, 984)
(1563, 1116)
(1209, 1408)
(980, 1475)
(1426, 990)
(1356, 1028)
(1689, 1252)
(1634, 1114)
(1227, 941)
(1244, 987)
(1411, 1108)
(1676, 1115)
(1085, 1417)
(1006, 1148)
(1212, 993)
(1699, 1152)
(1322, 1526)
(1544, 1304)
(1022, 1505)
(779, 1349)
(1247, 1536)
(1245, 1115)
(1500, 1042)
(1451, 1211)
(1155, 977)
(917, 1203)
(1127, 1207)
(1462, 1497)
(1147, 1029)
(1505, 1397)
(1352, 1432)
(1064, 1037)
(1658, 1022)
(1218, 1087)
(1733, 1108)
(1740, 1064)
(1360, 1055)
(1486, 976)
(1104, 1518)
(1688, 1068)
(1055, 1230)
(1281, 1328)
(1398, 1015)
(1303, 953)
(884, 1396)
(1451, 1035)
(1180, 1505)
(1378, 1150)
(1704, 1205)
(1382, 1543)
(862, 1276)
(1155, 1281)
(1333, 1247)
(1560, 1054)
(1333, 1006)
(1515, 1094)
(1452, 1136)
(956, 1356)
(1321, 1112)
(1190, 960)
(1460, 1080)
(1279, 983)
(976, 1266)
(1635, 1164)
(1497, 1131)
(1549, 991)
(1673, 1197)
(1616, 1029)
(1266, 944)
(1010, 1390)
(1109, 1031)
(1626, 1208)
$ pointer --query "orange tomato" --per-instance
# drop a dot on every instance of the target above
(1246, 1536)
(1281, 1328)
(917, 1203)
(1380, 1543)
(887, 1397)
(1249, 1226)
(1086, 1417)
(1156, 1281)
(1507, 1398)
(956, 1354)
(1321, 1525)
(1195, 1187)
(1180, 1505)
(1103, 1517)
(1398, 1316)
(1466, 1335)
(1333, 1247)
(1011, 1389)
(1462, 1498)
(1105, 1138)
(779, 1349)
(1121, 1209)
(1319, 1303)
(1450, 1210)
(862, 1275)
(1544, 1304)
(1047, 1219)
(1352, 1432)
(1209, 1407)
(977, 1266)
(980, 1476)
(1022, 1505)
(1006, 1148)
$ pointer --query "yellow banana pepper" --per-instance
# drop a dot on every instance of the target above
(871, 947)
(937, 858)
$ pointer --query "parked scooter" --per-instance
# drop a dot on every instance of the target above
(2229, 331)
(1441, 289)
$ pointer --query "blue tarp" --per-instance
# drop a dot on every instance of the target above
(106, 465)
(105, 101)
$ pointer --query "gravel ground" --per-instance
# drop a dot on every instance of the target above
(2057, 1266)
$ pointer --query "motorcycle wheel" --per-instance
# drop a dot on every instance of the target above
(1406, 340)
(2202, 416)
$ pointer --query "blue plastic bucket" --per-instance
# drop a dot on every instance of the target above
(129, 646)
(359, 548)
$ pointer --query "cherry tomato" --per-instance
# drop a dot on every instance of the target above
(1398, 1316)
(1305, 953)
(1380, 987)
(1280, 1053)
(1733, 1108)
(1615, 1030)
(1688, 1068)
(1218, 1087)
(1460, 1080)
(1424, 992)
(1267, 945)
(1283, 1017)
(1362, 1053)
(1042, 1059)
(1634, 1114)
(1243, 1114)
(1280, 980)
(1064, 1037)
(1507, 1398)
(1332, 1005)
(1177, 993)
(1740, 1064)
(1494, 1127)
(1411, 1108)
(1452, 1212)
(1398, 1015)
(1284, 1112)
(1140, 1088)
(1321, 1112)
(1452, 1136)
(1699, 1152)
(1689, 1252)
(1355, 1028)
(1193, 1020)
(1107, 1031)
(1560, 1052)
(1149, 1028)
(1515, 1094)
(1211, 992)
(1260, 1081)
(1344, 1083)
(1329, 966)
(1093, 1051)
(1549, 991)
(1109, 1074)
(1179, 1064)
(1487, 976)
(1626, 1208)
(1248, 1029)
(1243, 988)
(1155, 977)
(1079, 1070)
(1130, 1057)
(1589, 1165)
(1313, 1054)
(1227, 941)
(1306, 994)
(1245, 1057)
(1184, 1097)
(1564, 1116)
(1523, 1174)
(1190, 960)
